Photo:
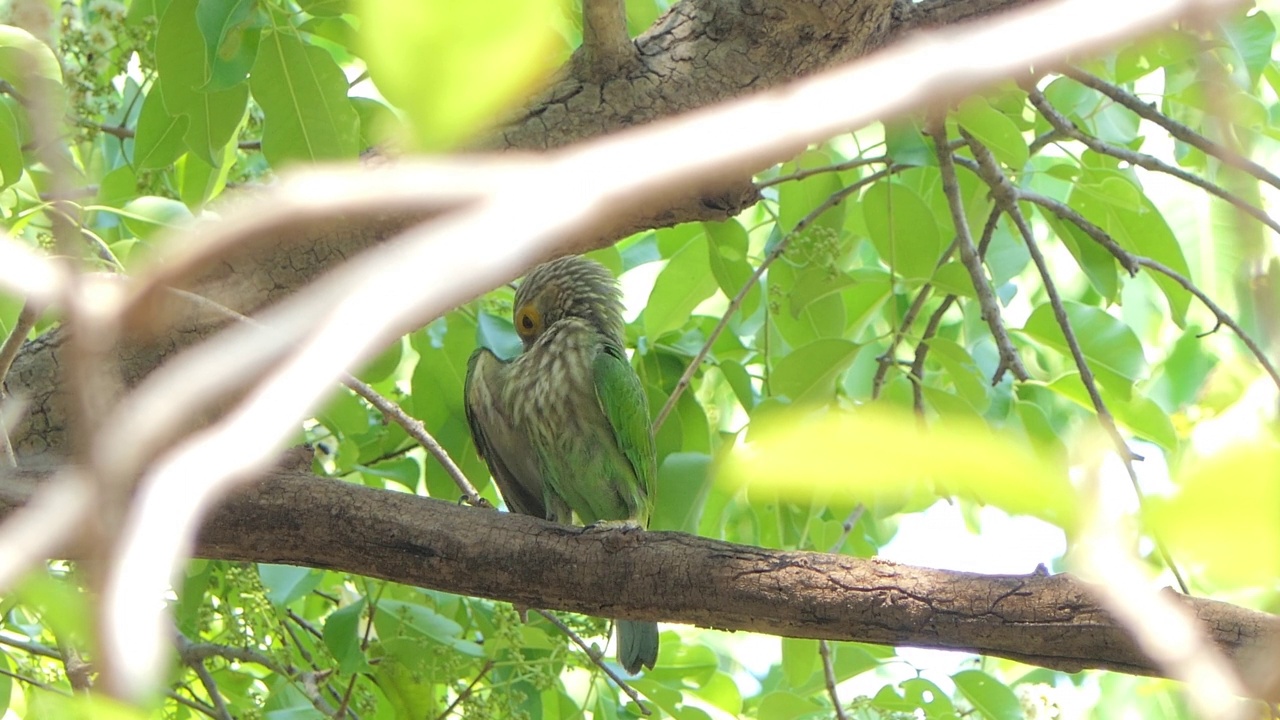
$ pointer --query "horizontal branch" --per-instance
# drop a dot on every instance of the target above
(1050, 621)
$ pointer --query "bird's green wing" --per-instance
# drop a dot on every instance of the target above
(510, 457)
(623, 401)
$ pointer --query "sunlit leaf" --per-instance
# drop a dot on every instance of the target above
(903, 229)
(480, 57)
(684, 283)
(990, 697)
(1110, 347)
(303, 95)
(1225, 519)
(994, 130)
(878, 455)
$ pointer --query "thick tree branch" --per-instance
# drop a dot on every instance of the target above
(1054, 622)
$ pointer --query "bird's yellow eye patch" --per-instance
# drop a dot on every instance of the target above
(528, 321)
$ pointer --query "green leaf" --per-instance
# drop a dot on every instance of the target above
(994, 130)
(989, 696)
(903, 230)
(6, 683)
(342, 637)
(684, 479)
(1252, 37)
(799, 660)
(1112, 202)
(1137, 412)
(303, 94)
(740, 380)
(727, 250)
(1112, 350)
(231, 31)
(325, 8)
(809, 373)
(404, 471)
(24, 58)
(905, 145)
(159, 139)
(286, 583)
(798, 198)
(480, 58)
(149, 214)
(876, 455)
(684, 283)
(781, 705)
(1098, 264)
(428, 622)
(963, 372)
(953, 279)
(1224, 522)
(182, 64)
(11, 163)
(822, 317)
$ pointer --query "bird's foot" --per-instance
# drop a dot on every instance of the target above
(616, 534)
(625, 525)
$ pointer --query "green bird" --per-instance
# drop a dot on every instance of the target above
(564, 427)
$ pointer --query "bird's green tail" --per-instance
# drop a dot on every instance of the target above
(637, 645)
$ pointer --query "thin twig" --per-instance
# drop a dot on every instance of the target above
(192, 703)
(1143, 160)
(466, 692)
(1133, 262)
(908, 319)
(417, 431)
(809, 172)
(780, 247)
(1009, 359)
(211, 687)
(596, 659)
(1007, 196)
(27, 318)
(1148, 111)
(390, 410)
(34, 648)
(829, 675)
(935, 320)
(34, 683)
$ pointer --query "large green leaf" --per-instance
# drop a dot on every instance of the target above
(875, 455)
(809, 373)
(11, 165)
(1111, 201)
(1110, 347)
(159, 140)
(798, 198)
(1224, 522)
(994, 130)
(182, 62)
(303, 94)
(684, 283)
(231, 30)
(454, 66)
(727, 251)
(1136, 412)
(990, 697)
(903, 229)
(24, 58)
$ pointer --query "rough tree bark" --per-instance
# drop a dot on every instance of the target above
(1051, 621)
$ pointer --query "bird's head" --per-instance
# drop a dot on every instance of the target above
(569, 287)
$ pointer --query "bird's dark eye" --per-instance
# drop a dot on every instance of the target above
(528, 321)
